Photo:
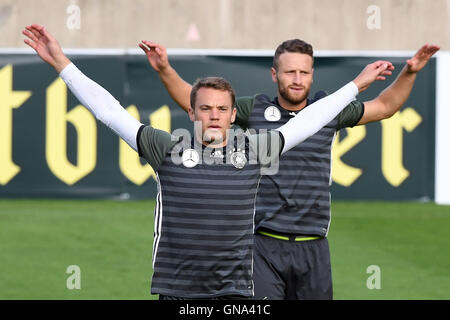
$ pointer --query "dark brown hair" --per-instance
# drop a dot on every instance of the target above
(217, 83)
(294, 45)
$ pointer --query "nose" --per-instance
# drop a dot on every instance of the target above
(214, 114)
(297, 78)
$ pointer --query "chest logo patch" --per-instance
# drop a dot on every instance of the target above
(272, 114)
(190, 158)
(238, 159)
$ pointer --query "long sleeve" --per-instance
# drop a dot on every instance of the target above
(102, 104)
(316, 116)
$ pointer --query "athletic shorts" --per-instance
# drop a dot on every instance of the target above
(291, 270)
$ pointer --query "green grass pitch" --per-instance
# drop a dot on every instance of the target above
(111, 242)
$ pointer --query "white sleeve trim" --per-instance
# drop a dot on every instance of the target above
(102, 104)
(313, 118)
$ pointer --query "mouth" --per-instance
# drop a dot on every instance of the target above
(297, 89)
(214, 127)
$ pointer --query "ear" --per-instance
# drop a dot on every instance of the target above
(233, 115)
(191, 114)
(274, 75)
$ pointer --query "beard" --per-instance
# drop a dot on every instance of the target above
(289, 97)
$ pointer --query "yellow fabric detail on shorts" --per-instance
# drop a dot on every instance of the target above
(277, 236)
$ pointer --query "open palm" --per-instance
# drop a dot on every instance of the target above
(45, 45)
(156, 55)
(421, 57)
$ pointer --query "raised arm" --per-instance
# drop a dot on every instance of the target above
(99, 101)
(317, 115)
(46, 46)
(393, 97)
(179, 90)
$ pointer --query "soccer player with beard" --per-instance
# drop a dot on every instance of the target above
(291, 258)
(204, 215)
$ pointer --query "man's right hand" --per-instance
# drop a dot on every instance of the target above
(46, 46)
(156, 55)
(179, 90)
(372, 72)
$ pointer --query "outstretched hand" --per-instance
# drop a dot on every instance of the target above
(420, 59)
(372, 72)
(46, 46)
(156, 55)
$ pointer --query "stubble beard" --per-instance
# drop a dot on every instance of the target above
(284, 93)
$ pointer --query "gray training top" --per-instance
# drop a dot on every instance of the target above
(204, 214)
(297, 199)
